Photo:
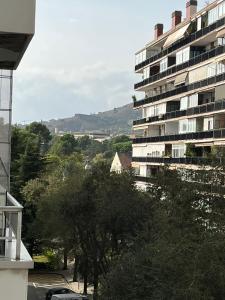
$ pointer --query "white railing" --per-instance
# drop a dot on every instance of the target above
(12, 222)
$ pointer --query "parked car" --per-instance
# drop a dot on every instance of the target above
(69, 297)
(58, 291)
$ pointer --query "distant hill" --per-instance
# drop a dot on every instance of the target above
(119, 121)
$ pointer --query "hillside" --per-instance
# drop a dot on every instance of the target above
(118, 120)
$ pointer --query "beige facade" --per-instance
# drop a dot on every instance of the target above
(182, 91)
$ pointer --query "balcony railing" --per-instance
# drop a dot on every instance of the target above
(183, 89)
(182, 42)
(211, 134)
(194, 61)
(201, 109)
(171, 160)
(11, 219)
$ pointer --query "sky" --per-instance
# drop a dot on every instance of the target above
(81, 59)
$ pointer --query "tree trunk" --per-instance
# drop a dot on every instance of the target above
(65, 259)
(85, 276)
(95, 295)
(75, 270)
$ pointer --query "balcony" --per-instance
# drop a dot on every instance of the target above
(13, 254)
(182, 42)
(201, 109)
(167, 160)
(194, 61)
(211, 134)
(182, 89)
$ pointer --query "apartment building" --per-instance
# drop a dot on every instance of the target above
(17, 24)
(182, 90)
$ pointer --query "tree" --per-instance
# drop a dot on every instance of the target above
(180, 253)
(40, 130)
(64, 145)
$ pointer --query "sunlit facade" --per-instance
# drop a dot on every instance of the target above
(183, 92)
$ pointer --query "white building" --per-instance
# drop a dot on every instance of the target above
(183, 90)
(121, 162)
(17, 25)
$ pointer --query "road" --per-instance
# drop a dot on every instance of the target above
(40, 283)
(36, 293)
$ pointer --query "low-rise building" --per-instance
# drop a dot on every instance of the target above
(121, 162)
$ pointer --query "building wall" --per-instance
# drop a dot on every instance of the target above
(116, 165)
(17, 16)
(13, 284)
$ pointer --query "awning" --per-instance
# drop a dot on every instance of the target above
(221, 33)
(176, 36)
(180, 79)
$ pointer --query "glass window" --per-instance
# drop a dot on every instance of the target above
(193, 100)
(191, 125)
(221, 9)
(186, 54)
(183, 126)
(199, 23)
(184, 103)
(213, 15)
(220, 67)
(178, 151)
(211, 70)
(208, 123)
(179, 57)
(163, 65)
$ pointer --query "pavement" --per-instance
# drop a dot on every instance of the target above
(40, 283)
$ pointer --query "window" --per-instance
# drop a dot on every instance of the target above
(220, 67)
(140, 57)
(183, 126)
(191, 125)
(216, 13)
(164, 65)
(184, 103)
(199, 23)
(188, 102)
(146, 73)
(213, 15)
(208, 123)
(221, 9)
(188, 125)
(183, 56)
(193, 100)
(179, 57)
(178, 151)
(211, 70)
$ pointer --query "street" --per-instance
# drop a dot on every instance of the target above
(39, 284)
(36, 292)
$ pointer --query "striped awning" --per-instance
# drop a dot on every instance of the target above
(180, 79)
(176, 36)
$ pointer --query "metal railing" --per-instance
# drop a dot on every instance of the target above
(172, 160)
(11, 216)
(182, 42)
(201, 109)
(211, 134)
(183, 89)
(193, 61)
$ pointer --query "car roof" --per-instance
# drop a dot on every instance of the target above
(73, 296)
(59, 289)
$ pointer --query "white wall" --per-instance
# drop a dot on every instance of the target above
(116, 165)
(13, 284)
(148, 150)
(17, 16)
